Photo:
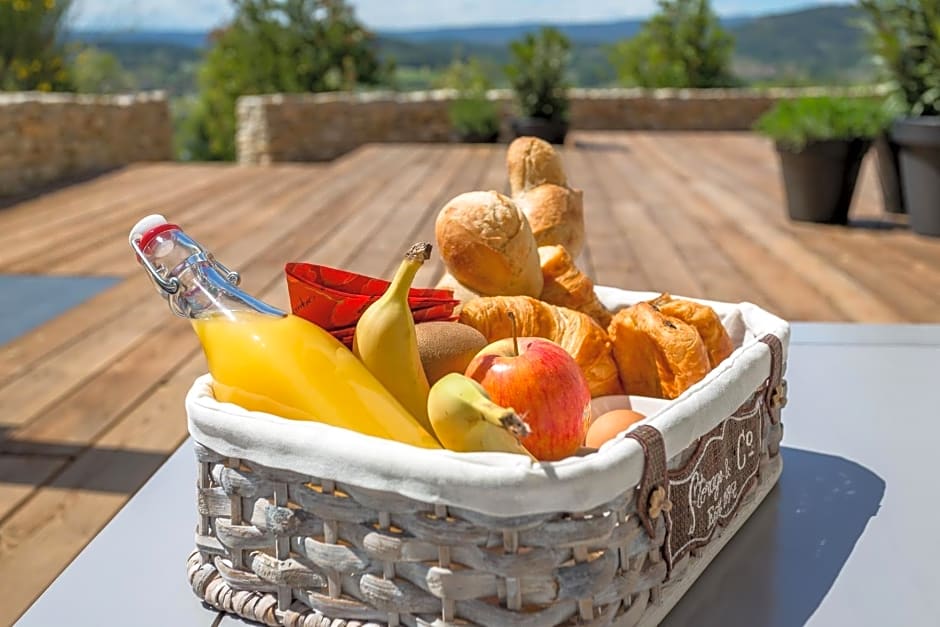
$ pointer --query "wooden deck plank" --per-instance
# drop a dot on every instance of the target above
(19, 474)
(715, 275)
(157, 427)
(214, 214)
(118, 186)
(106, 232)
(838, 246)
(31, 243)
(393, 236)
(904, 258)
(612, 261)
(632, 207)
(766, 284)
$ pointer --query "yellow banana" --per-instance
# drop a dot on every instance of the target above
(465, 419)
(386, 343)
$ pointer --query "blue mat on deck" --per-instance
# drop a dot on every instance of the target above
(27, 301)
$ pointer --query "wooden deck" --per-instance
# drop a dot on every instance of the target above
(91, 402)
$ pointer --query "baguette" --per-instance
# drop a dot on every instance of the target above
(566, 286)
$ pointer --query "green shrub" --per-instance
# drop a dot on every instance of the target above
(277, 46)
(794, 123)
(471, 113)
(905, 37)
(537, 74)
(474, 116)
(682, 45)
(96, 71)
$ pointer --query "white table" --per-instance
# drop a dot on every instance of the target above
(848, 537)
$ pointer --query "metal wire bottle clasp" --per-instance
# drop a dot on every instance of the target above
(171, 285)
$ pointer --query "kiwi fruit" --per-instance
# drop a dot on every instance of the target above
(447, 347)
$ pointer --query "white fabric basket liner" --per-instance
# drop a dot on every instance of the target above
(497, 484)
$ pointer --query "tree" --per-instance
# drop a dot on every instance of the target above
(682, 45)
(905, 38)
(100, 72)
(537, 74)
(31, 50)
(277, 46)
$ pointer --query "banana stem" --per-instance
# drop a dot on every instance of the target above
(505, 417)
(404, 276)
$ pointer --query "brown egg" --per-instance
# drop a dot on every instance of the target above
(608, 425)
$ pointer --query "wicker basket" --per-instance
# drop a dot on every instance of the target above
(612, 538)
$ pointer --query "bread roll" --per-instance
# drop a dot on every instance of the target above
(657, 356)
(485, 241)
(566, 286)
(556, 215)
(532, 161)
(461, 291)
(574, 331)
(717, 340)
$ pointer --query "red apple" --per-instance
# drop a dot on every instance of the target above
(545, 386)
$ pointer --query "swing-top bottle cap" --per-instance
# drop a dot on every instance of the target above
(147, 228)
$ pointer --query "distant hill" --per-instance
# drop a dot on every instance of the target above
(501, 35)
(580, 33)
(184, 39)
(821, 44)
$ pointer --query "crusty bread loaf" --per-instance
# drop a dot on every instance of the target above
(461, 291)
(556, 215)
(574, 331)
(486, 243)
(531, 162)
(566, 286)
(717, 340)
(657, 355)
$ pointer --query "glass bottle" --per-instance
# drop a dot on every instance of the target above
(261, 358)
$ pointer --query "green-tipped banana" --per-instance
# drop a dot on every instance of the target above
(386, 343)
(465, 419)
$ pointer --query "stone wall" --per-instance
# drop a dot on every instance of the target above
(314, 127)
(45, 137)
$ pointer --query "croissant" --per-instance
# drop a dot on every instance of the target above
(717, 341)
(657, 355)
(576, 332)
(566, 286)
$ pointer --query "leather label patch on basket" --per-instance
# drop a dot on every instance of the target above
(707, 490)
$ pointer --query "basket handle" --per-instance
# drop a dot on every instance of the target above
(652, 496)
(775, 396)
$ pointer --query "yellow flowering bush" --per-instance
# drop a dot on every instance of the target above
(31, 50)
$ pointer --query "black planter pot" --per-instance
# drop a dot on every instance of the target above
(889, 174)
(552, 131)
(820, 179)
(919, 139)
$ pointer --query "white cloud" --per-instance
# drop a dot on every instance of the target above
(150, 14)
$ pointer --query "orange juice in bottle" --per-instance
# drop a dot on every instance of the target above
(261, 358)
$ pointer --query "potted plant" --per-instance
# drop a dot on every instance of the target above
(473, 116)
(821, 142)
(905, 37)
(537, 77)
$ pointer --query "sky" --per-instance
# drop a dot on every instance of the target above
(401, 14)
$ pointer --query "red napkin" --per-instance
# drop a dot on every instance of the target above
(334, 299)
